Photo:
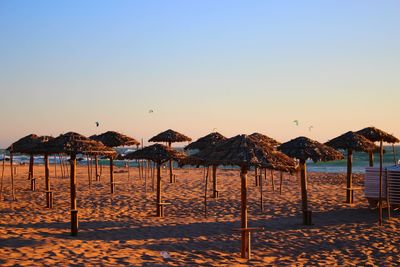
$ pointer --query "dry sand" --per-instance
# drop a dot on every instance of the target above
(122, 229)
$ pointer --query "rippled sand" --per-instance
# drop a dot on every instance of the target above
(122, 229)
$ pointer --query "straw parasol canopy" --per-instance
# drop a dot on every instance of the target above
(264, 138)
(159, 154)
(375, 135)
(352, 142)
(170, 136)
(28, 144)
(115, 139)
(74, 143)
(206, 141)
(303, 149)
(245, 152)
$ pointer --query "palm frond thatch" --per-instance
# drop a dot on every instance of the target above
(206, 141)
(170, 136)
(115, 139)
(74, 143)
(374, 134)
(353, 141)
(304, 148)
(264, 138)
(157, 153)
(28, 144)
(242, 150)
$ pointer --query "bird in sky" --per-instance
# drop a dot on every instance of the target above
(97, 124)
(296, 122)
(151, 111)
(310, 127)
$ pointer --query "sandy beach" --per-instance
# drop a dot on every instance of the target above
(122, 229)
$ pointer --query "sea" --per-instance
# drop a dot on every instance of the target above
(360, 160)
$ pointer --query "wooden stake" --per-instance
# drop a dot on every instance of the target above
(74, 211)
(349, 182)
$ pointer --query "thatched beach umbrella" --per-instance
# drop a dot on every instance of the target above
(170, 136)
(272, 143)
(245, 152)
(72, 144)
(351, 141)
(206, 142)
(113, 139)
(27, 145)
(303, 148)
(159, 154)
(376, 135)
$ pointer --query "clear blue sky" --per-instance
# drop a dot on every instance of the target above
(238, 66)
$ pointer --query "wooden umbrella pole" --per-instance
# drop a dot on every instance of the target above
(61, 167)
(152, 176)
(12, 176)
(304, 197)
(280, 182)
(387, 194)
(158, 203)
(101, 171)
(349, 178)
(74, 211)
(261, 192)
(49, 195)
(30, 172)
(31, 177)
(256, 175)
(139, 173)
(272, 180)
(112, 183)
(245, 248)
(2, 177)
(394, 155)
(215, 184)
(129, 172)
(380, 181)
(88, 170)
(205, 193)
(55, 166)
(91, 169)
(144, 172)
(371, 158)
(170, 167)
(96, 167)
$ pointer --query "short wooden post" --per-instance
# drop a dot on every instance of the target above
(304, 200)
(349, 177)
(245, 248)
(74, 211)
(112, 183)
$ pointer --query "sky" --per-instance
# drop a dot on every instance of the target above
(201, 66)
